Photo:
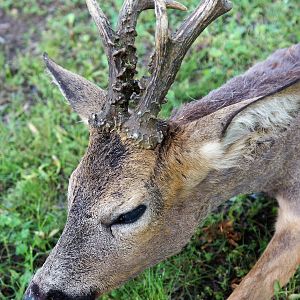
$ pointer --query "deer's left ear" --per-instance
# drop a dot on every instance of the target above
(253, 128)
(245, 129)
(85, 97)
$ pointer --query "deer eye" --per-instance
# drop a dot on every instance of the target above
(131, 216)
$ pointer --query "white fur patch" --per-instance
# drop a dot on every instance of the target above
(272, 114)
(214, 153)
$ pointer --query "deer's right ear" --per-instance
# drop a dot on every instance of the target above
(85, 97)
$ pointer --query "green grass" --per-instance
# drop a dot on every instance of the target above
(41, 141)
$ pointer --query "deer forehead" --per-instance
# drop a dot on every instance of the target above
(112, 174)
(109, 157)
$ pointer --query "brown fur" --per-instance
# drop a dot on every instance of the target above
(197, 167)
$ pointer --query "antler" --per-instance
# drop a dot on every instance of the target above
(148, 94)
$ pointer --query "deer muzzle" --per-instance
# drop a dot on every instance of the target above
(33, 292)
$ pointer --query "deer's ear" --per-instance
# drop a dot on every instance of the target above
(261, 120)
(246, 129)
(84, 97)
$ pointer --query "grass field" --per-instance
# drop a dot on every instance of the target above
(41, 140)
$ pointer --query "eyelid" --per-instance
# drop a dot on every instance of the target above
(137, 213)
(127, 206)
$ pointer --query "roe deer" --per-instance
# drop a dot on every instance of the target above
(144, 184)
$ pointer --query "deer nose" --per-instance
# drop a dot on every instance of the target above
(33, 293)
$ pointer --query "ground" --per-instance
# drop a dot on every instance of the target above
(41, 140)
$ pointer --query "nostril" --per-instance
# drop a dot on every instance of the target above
(59, 295)
(56, 295)
(33, 293)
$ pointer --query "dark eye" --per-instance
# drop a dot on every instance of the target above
(131, 216)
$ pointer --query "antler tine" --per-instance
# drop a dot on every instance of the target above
(125, 57)
(205, 13)
(143, 126)
(135, 7)
(161, 33)
(151, 104)
(149, 4)
(106, 32)
(126, 15)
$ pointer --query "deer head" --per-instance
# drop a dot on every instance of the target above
(131, 200)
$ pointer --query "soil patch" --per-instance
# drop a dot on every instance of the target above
(19, 33)
(14, 29)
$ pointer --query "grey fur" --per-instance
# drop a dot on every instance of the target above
(279, 70)
(84, 96)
